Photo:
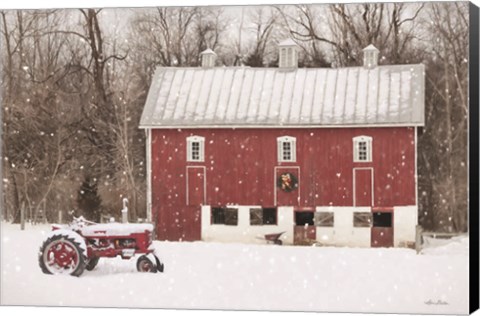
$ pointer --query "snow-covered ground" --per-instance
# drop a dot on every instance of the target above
(248, 277)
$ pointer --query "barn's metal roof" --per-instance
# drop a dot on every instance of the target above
(272, 97)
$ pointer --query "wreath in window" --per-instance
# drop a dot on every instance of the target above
(287, 182)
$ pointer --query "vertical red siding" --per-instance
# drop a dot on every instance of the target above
(363, 187)
(195, 186)
(240, 166)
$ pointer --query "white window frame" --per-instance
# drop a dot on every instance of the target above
(356, 150)
(201, 148)
(293, 148)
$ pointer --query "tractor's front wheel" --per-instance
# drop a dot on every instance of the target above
(61, 254)
(144, 264)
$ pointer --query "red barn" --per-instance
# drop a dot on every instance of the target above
(325, 155)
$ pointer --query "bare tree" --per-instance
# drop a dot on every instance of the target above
(210, 26)
(351, 27)
(444, 142)
(58, 111)
(30, 158)
(390, 27)
(305, 24)
(264, 26)
(73, 92)
(176, 36)
(164, 34)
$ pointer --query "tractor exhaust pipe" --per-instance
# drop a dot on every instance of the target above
(125, 211)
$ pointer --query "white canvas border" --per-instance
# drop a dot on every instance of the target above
(30, 4)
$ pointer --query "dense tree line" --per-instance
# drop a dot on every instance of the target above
(74, 83)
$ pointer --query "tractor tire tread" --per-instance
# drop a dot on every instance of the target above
(82, 260)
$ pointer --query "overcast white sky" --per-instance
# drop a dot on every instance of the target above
(5, 4)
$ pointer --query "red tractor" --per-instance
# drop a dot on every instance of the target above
(70, 249)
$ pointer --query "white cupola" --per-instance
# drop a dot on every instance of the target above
(370, 56)
(287, 54)
(208, 58)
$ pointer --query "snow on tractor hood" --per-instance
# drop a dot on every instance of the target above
(115, 229)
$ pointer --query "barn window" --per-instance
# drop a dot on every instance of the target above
(195, 148)
(362, 219)
(263, 216)
(286, 149)
(224, 216)
(362, 149)
(324, 219)
(303, 218)
(381, 219)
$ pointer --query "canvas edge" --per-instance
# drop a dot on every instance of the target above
(474, 157)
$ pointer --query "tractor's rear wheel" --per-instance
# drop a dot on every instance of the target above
(92, 263)
(144, 264)
(61, 254)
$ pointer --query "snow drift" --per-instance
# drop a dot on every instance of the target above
(203, 275)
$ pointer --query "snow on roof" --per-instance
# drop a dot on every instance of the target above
(208, 51)
(271, 97)
(115, 229)
(371, 47)
(287, 42)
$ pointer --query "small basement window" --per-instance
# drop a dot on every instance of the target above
(362, 149)
(196, 148)
(362, 219)
(263, 216)
(286, 149)
(224, 216)
(324, 219)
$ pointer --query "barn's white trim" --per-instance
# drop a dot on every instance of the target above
(416, 173)
(148, 148)
(405, 220)
(354, 184)
(244, 232)
(230, 126)
(343, 233)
